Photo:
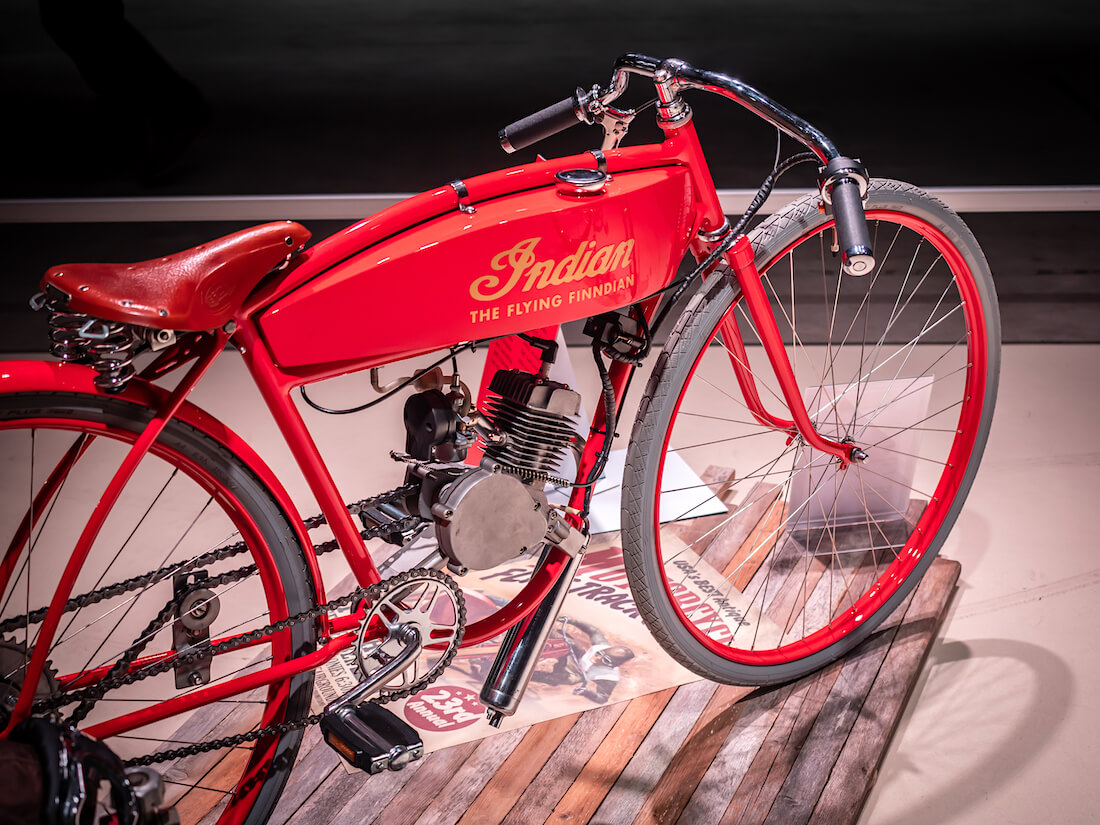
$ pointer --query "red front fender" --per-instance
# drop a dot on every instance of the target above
(53, 376)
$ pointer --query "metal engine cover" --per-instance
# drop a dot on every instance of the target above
(487, 518)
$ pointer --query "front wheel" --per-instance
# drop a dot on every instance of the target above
(753, 558)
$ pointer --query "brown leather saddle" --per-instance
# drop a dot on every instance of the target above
(197, 289)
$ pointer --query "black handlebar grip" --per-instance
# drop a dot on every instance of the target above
(851, 228)
(539, 126)
(842, 182)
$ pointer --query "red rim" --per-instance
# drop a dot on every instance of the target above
(254, 771)
(927, 527)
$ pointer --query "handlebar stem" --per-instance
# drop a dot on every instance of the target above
(673, 76)
(672, 111)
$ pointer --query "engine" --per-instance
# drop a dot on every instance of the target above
(489, 514)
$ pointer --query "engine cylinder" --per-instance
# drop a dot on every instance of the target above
(535, 416)
(488, 515)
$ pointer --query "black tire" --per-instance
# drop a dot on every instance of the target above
(801, 232)
(224, 478)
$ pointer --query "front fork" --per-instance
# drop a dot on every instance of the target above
(743, 262)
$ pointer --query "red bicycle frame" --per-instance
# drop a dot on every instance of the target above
(497, 255)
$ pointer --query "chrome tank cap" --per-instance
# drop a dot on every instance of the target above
(581, 182)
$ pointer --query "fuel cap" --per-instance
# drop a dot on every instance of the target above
(581, 181)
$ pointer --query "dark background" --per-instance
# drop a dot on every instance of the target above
(336, 96)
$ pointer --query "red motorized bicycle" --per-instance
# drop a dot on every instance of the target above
(155, 565)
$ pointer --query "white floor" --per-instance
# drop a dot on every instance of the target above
(1004, 724)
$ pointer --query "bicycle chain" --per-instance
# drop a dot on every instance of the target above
(220, 554)
(116, 677)
(371, 594)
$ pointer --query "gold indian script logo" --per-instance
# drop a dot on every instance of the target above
(526, 272)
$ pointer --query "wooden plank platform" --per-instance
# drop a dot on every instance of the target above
(807, 752)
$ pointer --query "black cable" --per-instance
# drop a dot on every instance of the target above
(769, 182)
(547, 346)
(761, 196)
(610, 416)
(449, 356)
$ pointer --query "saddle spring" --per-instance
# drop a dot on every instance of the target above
(106, 346)
(113, 356)
(66, 342)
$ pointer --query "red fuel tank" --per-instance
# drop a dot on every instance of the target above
(532, 258)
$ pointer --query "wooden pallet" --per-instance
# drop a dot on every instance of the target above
(701, 753)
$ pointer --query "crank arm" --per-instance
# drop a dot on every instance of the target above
(409, 636)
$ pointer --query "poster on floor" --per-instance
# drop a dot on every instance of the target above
(599, 650)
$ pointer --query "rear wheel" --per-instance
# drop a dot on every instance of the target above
(188, 497)
(761, 559)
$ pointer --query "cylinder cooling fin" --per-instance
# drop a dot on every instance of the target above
(536, 416)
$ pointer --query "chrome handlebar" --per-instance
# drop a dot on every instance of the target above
(674, 76)
(843, 181)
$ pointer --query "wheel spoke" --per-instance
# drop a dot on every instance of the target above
(107, 569)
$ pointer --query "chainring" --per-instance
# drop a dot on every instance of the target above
(430, 601)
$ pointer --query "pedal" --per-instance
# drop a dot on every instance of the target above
(386, 516)
(371, 738)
